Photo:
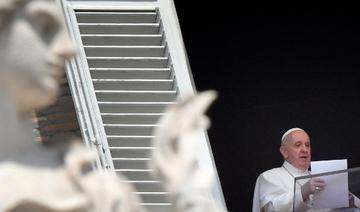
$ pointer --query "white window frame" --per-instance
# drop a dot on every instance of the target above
(179, 60)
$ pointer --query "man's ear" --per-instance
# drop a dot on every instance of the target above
(284, 152)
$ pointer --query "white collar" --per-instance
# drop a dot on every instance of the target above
(293, 170)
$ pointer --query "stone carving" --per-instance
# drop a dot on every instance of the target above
(174, 160)
(67, 188)
(33, 48)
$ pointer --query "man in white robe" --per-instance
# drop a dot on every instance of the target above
(274, 190)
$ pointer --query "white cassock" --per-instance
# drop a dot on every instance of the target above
(274, 190)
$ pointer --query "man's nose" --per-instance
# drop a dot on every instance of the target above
(304, 149)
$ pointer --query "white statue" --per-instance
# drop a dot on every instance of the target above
(65, 189)
(174, 160)
(33, 48)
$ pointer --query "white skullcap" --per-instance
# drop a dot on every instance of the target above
(288, 132)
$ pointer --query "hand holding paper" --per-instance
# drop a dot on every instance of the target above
(312, 186)
(335, 193)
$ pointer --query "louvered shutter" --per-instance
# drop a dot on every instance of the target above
(133, 81)
(123, 78)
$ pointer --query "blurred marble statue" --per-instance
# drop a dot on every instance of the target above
(174, 160)
(33, 48)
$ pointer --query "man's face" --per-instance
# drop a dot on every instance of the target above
(33, 49)
(296, 150)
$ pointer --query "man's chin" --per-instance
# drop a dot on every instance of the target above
(304, 165)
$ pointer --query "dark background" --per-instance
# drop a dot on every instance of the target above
(299, 68)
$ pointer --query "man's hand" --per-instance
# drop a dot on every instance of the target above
(312, 186)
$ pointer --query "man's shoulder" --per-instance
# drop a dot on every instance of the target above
(271, 172)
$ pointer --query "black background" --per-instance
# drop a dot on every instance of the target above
(274, 69)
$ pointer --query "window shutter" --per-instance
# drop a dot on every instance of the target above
(122, 80)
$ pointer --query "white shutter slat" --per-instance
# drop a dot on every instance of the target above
(130, 73)
(125, 40)
(134, 84)
(133, 141)
(130, 153)
(147, 186)
(123, 51)
(127, 163)
(158, 207)
(136, 174)
(126, 129)
(131, 118)
(119, 28)
(158, 197)
(116, 17)
(127, 62)
(135, 96)
(133, 107)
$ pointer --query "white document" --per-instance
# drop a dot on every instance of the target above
(335, 193)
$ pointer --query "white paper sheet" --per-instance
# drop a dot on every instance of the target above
(335, 193)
